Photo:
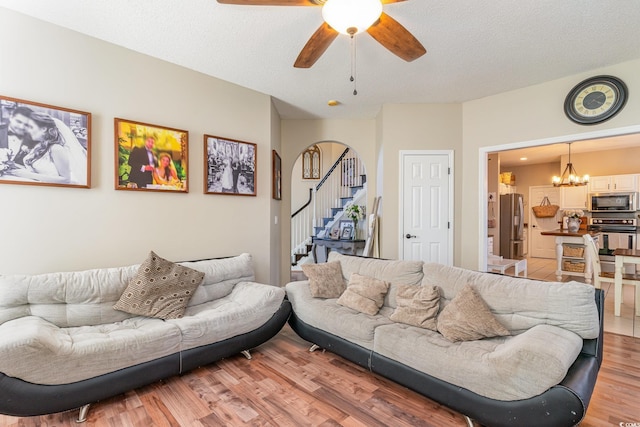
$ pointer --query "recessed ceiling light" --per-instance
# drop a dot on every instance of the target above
(523, 158)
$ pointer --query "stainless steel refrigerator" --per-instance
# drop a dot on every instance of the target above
(511, 226)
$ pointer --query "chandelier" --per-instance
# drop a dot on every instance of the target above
(570, 177)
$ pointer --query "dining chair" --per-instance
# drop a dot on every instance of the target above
(599, 277)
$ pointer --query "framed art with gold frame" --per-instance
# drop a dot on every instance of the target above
(150, 157)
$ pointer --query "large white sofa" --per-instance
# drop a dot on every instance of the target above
(64, 346)
(541, 373)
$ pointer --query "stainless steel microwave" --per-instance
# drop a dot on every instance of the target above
(613, 202)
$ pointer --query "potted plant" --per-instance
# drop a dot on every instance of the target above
(574, 218)
(355, 213)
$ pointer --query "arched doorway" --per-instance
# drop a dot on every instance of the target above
(320, 192)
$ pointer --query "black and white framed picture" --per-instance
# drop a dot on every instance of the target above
(42, 144)
(230, 166)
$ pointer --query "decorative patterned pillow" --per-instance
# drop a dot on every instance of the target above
(160, 289)
(325, 279)
(467, 317)
(417, 306)
(364, 294)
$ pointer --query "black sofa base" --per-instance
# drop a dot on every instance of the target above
(24, 399)
(563, 405)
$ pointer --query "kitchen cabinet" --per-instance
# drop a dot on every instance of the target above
(573, 197)
(613, 183)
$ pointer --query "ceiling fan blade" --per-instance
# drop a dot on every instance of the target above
(391, 1)
(392, 35)
(315, 47)
(271, 2)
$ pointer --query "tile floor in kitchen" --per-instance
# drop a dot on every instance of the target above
(626, 324)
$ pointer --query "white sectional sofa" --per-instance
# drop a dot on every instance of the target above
(541, 372)
(64, 346)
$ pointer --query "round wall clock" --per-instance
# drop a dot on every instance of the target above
(595, 100)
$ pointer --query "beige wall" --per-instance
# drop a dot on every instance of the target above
(528, 116)
(416, 127)
(54, 229)
(275, 235)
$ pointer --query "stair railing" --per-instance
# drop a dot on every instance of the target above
(335, 186)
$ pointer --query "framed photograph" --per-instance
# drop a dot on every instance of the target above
(276, 190)
(44, 145)
(230, 166)
(150, 157)
(346, 229)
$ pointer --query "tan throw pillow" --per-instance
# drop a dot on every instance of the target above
(160, 289)
(417, 306)
(467, 317)
(325, 279)
(364, 294)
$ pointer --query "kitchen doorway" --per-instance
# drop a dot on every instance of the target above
(593, 139)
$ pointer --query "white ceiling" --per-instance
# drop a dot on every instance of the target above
(552, 153)
(475, 48)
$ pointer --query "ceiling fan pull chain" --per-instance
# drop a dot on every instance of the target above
(353, 64)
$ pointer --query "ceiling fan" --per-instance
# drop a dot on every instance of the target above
(383, 28)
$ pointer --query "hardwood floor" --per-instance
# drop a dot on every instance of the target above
(285, 385)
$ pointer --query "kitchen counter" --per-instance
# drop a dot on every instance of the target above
(564, 232)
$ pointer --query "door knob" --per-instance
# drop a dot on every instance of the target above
(410, 236)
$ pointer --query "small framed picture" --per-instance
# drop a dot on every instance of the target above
(335, 234)
(44, 145)
(346, 229)
(150, 157)
(346, 233)
(230, 166)
(276, 191)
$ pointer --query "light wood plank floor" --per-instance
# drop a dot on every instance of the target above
(285, 385)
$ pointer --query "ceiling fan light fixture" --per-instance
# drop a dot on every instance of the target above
(346, 15)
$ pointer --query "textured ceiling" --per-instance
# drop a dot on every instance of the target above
(475, 48)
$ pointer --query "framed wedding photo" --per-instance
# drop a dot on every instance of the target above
(42, 144)
(276, 191)
(150, 157)
(230, 166)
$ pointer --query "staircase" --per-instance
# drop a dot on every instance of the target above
(344, 184)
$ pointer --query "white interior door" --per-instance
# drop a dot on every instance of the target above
(426, 229)
(543, 246)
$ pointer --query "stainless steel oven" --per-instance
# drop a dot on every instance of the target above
(618, 231)
(613, 202)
